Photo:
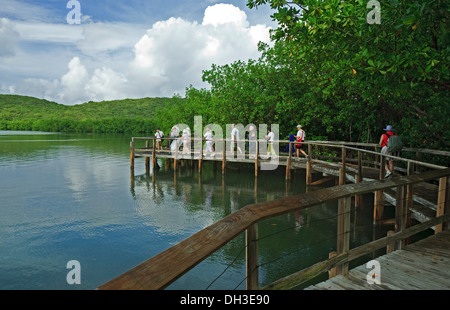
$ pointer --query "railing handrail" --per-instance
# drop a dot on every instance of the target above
(330, 144)
(164, 268)
(323, 142)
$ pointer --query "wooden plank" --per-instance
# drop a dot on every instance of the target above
(313, 271)
(410, 268)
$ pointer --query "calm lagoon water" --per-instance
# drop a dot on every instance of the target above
(70, 197)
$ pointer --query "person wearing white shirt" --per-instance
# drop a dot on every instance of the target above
(158, 135)
(186, 140)
(208, 136)
(235, 138)
(270, 138)
(300, 138)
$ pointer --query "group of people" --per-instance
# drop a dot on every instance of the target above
(176, 141)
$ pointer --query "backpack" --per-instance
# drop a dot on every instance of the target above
(394, 144)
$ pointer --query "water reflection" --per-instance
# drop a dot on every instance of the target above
(70, 196)
(187, 199)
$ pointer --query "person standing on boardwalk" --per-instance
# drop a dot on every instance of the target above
(158, 135)
(252, 142)
(186, 140)
(300, 138)
(270, 138)
(174, 134)
(235, 139)
(208, 136)
(390, 145)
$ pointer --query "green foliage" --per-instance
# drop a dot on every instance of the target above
(337, 75)
(362, 76)
(120, 116)
(328, 70)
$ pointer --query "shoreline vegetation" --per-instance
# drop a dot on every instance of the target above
(25, 113)
(328, 69)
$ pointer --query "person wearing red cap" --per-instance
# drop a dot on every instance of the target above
(389, 163)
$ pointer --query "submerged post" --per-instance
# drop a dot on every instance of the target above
(154, 154)
(132, 154)
(223, 157)
(288, 164)
(251, 235)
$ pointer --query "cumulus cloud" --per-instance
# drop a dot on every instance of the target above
(173, 53)
(8, 37)
(73, 83)
(115, 61)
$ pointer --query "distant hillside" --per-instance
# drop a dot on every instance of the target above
(128, 115)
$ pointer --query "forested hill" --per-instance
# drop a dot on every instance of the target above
(118, 116)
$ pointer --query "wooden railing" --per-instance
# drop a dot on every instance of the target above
(163, 269)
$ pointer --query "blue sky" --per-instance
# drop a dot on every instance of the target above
(122, 48)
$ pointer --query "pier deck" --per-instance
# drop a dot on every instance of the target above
(423, 265)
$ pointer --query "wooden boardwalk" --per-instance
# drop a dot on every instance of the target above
(321, 169)
(423, 265)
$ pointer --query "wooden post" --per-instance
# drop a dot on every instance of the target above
(308, 166)
(342, 177)
(359, 177)
(288, 164)
(154, 155)
(200, 156)
(132, 154)
(378, 207)
(409, 194)
(251, 236)
(176, 157)
(256, 158)
(376, 156)
(343, 234)
(400, 214)
(223, 157)
(391, 246)
(418, 158)
(147, 159)
(332, 272)
(441, 203)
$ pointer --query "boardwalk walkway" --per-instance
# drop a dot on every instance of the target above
(423, 265)
(347, 165)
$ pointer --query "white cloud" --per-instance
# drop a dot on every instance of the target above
(106, 84)
(221, 14)
(118, 60)
(8, 38)
(176, 50)
(73, 83)
(102, 37)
